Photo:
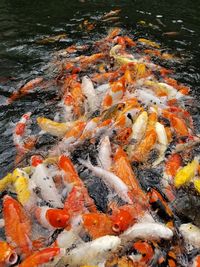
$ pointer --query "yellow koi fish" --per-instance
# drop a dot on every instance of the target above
(185, 174)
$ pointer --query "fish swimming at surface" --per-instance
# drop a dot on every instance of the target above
(85, 201)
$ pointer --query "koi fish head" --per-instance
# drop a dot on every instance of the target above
(57, 218)
(97, 224)
(36, 160)
(121, 221)
(145, 249)
(7, 255)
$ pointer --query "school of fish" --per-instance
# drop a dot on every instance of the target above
(119, 114)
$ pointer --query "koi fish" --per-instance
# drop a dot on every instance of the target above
(42, 178)
(158, 203)
(7, 254)
(144, 254)
(104, 155)
(48, 255)
(17, 226)
(71, 177)
(52, 218)
(142, 150)
(191, 234)
(123, 169)
(25, 89)
(5, 181)
(68, 238)
(23, 189)
(185, 174)
(148, 42)
(114, 94)
(196, 261)
(89, 92)
(92, 253)
(139, 126)
(125, 216)
(110, 179)
(162, 141)
(97, 224)
(149, 231)
(54, 128)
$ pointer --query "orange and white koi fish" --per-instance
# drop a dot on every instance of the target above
(71, 177)
(114, 94)
(144, 254)
(112, 181)
(52, 218)
(72, 135)
(20, 130)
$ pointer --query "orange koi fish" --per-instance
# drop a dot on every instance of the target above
(196, 261)
(97, 224)
(174, 162)
(142, 150)
(71, 177)
(41, 257)
(25, 89)
(114, 94)
(123, 169)
(17, 226)
(7, 254)
(52, 218)
(145, 250)
(125, 216)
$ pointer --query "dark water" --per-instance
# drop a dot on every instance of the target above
(22, 23)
